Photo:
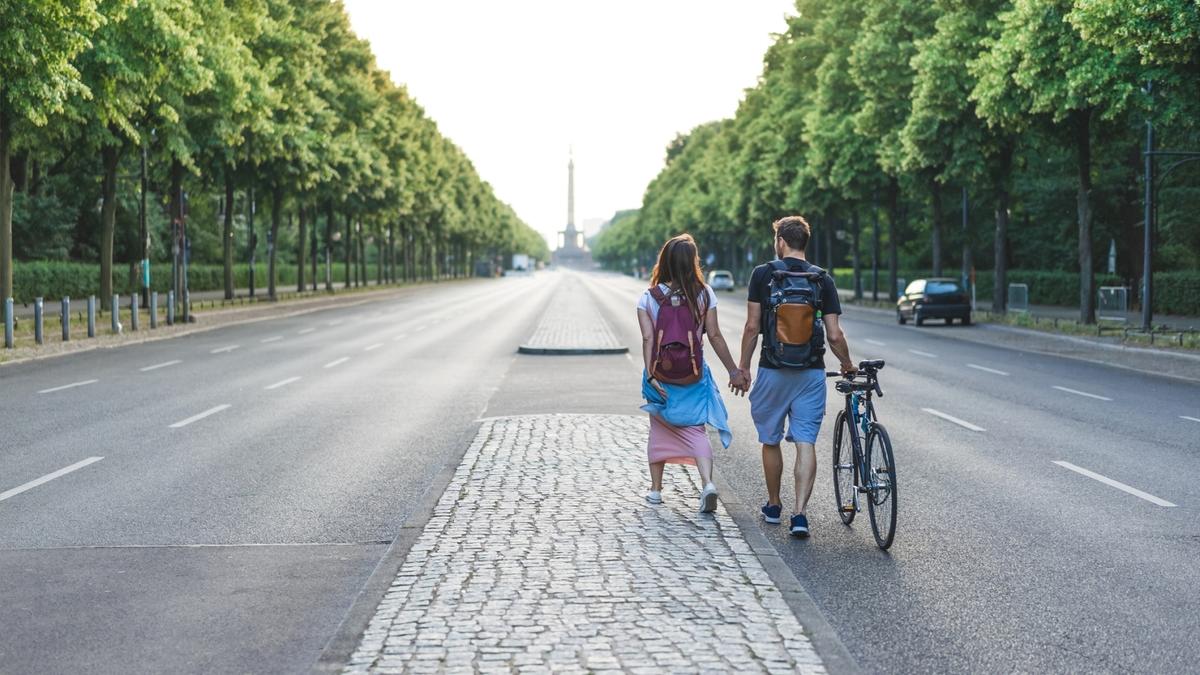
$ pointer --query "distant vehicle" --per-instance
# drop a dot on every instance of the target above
(721, 280)
(521, 262)
(934, 299)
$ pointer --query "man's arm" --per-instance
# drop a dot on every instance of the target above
(836, 338)
(750, 334)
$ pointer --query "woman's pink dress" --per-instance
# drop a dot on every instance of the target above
(677, 445)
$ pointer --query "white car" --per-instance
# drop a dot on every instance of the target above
(720, 280)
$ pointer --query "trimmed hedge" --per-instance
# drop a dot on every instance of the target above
(53, 280)
(1174, 292)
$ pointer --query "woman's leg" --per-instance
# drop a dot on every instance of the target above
(704, 466)
(656, 474)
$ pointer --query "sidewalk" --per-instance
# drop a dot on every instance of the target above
(542, 555)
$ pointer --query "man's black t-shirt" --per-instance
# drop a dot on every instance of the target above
(759, 291)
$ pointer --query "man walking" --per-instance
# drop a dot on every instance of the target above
(794, 305)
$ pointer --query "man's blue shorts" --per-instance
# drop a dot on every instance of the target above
(795, 395)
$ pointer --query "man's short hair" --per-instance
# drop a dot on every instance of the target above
(794, 231)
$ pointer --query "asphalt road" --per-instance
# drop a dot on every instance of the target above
(239, 541)
(1004, 560)
(236, 542)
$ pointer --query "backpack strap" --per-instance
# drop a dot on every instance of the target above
(658, 295)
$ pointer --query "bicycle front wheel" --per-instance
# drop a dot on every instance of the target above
(843, 469)
(881, 485)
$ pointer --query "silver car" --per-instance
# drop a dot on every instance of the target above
(720, 280)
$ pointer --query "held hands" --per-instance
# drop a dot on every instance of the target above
(739, 381)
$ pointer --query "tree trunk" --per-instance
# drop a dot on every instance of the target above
(893, 229)
(329, 246)
(875, 246)
(110, 156)
(855, 231)
(1000, 245)
(301, 244)
(392, 252)
(829, 239)
(312, 247)
(276, 214)
(379, 259)
(227, 234)
(349, 246)
(935, 194)
(178, 234)
(362, 255)
(1087, 300)
(6, 204)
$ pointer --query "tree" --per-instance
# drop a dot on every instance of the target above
(36, 77)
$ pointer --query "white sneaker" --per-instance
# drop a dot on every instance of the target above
(708, 499)
(654, 497)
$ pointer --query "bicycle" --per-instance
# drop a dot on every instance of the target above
(867, 469)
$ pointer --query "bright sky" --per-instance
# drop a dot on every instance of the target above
(516, 83)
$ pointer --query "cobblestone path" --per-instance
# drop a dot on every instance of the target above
(572, 324)
(542, 555)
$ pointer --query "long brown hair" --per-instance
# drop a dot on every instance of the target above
(678, 266)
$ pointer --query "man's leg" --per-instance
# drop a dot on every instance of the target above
(772, 459)
(805, 474)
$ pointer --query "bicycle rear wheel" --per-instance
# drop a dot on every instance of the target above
(843, 469)
(881, 486)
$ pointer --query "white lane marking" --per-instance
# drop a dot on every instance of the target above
(68, 386)
(305, 331)
(335, 322)
(160, 365)
(987, 370)
(950, 418)
(1082, 393)
(47, 478)
(372, 347)
(273, 338)
(400, 336)
(281, 383)
(1117, 484)
(1193, 419)
(420, 328)
(197, 418)
(877, 343)
(338, 362)
(925, 354)
(224, 350)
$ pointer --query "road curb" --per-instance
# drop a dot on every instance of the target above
(571, 351)
(829, 647)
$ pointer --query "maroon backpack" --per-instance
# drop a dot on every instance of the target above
(678, 358)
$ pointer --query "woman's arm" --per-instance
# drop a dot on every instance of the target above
(647, 326)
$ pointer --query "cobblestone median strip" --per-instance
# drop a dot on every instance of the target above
(542, 555)
(572, 324)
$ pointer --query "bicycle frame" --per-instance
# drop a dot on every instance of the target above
(861, 412)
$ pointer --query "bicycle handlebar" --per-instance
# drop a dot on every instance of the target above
(867, 369)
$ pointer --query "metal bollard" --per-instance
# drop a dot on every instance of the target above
(8, 323)
(170, 308)
(116, 314)
(91, 316)
(154, 310)
(37, 322)
(133, 312)
(66, 318)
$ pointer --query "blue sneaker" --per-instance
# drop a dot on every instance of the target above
(771, 513)
(799, 526)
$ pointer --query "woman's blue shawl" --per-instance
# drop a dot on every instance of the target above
(689, 405)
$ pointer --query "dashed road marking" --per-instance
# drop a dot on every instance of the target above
(282, 383)
(68, 386)
(1082, 393)
(197, 418)
(877, 343)
(47, 478)
(987, 370)
(372, 348)
(921, 353)
(305, 331)
(1114, 483)
(161, 365)
(336, 322)
(1192, 419)
(951, 418)
(400, 337)
(224, 350)
(273, 338)
(337, 362)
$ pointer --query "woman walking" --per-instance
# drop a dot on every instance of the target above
(681, 395)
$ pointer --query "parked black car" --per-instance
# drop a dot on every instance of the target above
(934, 299)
